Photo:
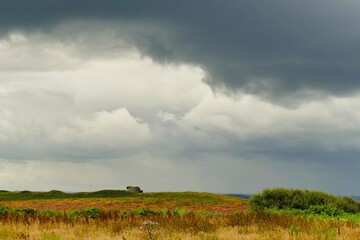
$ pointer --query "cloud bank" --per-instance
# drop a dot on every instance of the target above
(276, 49)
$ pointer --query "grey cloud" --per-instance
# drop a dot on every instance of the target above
(272, 48)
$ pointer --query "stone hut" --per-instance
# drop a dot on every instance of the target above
(134, 189)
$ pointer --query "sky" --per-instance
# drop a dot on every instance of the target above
(229, 96)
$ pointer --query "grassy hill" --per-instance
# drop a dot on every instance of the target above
(122, 200)
(121, 194)
(56, 194)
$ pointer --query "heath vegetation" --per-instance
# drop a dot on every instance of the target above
(320, 217)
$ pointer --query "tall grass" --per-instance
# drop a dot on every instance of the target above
(100, 224)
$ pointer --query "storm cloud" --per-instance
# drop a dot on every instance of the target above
(276, 49)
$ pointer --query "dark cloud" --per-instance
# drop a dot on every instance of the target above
(271, 48)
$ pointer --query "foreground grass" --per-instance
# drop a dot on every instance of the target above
(189, 225)
(353, 217)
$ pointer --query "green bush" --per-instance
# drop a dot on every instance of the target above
(350, 205)
(25, 191)
(145, 211)
(50, 213)
(326, 210)
(93, 212)
(281, 198)
(25, 211)
(87, 212)
(3, 210)
(55, 192)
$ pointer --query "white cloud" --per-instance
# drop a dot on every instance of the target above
(20, 52)
(329, 123)
(167, 117)
(116, 129)
(85, 108)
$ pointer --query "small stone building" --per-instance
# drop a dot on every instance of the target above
(134, 189)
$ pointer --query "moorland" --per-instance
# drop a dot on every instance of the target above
(116, 214)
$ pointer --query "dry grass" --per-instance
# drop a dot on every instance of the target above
(113, 225)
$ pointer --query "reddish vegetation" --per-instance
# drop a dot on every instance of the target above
(230, 205)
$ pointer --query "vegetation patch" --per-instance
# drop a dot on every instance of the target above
(280, 198)
(185, 215)
(120, 201)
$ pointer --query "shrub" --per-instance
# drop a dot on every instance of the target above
(281, 198)
(25, 191)
(350, 205)
(25, 211)
(178, 212)
(50, 213)
(145, 212)
(326, 210)
(271, 198)
(3, 210)
(93, 212)
(55, 192)
(87, 212)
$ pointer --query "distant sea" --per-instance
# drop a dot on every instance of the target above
(245, 196)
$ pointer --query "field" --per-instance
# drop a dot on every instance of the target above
(122, 201)
(112, 214)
